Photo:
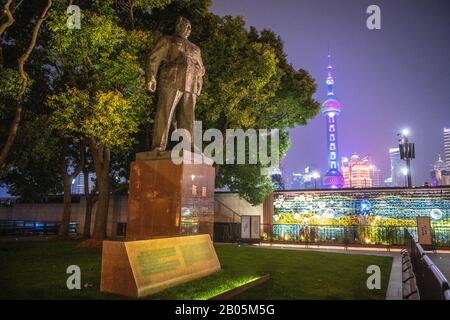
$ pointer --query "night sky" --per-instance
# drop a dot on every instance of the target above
(386, 79)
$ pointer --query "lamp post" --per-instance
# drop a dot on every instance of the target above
(407, 153)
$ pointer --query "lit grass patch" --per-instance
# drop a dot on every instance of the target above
(37, 270)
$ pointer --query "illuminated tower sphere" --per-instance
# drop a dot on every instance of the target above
(331, 108)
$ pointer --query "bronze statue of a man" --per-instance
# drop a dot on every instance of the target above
(181, 79)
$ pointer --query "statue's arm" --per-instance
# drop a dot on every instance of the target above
(201, 66)
(156, 57)
(201, 73)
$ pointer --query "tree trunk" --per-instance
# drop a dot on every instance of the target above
(11, 135)
(67, 207)
(90, 201)
(87, 218)
(65, 220)
(102, 161)
(101, 214)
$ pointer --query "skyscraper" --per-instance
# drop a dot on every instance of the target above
(277, 179)
(397, 177)
(375, 176)
(447, 146)
(439, 175)
(360, 173)
(331, 108)
(78, 183)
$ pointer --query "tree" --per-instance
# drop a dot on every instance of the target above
(72, 162)
(105, 99)
(90, 196)
(32, 173)
(92, 82)
(23, 79)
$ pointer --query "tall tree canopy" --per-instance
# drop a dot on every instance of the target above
(87, 85)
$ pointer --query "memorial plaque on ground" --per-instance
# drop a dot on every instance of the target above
(141, 268)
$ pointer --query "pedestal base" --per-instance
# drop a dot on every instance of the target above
(140, 268)
(167, 200)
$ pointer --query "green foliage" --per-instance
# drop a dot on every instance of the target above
(247, 180)
(68, 111)
(34, 172)
(10, 88)
(105, 95)
(109, 117)
(9, 84)
(151, 4)
(113, 120)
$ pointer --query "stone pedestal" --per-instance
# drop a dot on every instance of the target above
(140, 268)
(166, 199)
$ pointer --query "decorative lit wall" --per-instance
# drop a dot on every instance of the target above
(386, 206)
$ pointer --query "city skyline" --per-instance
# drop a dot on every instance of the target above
(387, 79)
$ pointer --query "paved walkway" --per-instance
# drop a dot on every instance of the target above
(394, 290)
(442, 260)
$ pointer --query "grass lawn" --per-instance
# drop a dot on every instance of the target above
(37, 270)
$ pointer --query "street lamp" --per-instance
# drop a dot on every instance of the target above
(407, 153)
(405, 132)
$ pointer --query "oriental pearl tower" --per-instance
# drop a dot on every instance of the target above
(331, 108)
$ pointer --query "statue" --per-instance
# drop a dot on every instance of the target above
(180, 80)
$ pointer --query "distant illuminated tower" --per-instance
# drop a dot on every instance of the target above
(331, 108)
(447, 146)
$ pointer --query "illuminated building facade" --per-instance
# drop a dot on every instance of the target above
(331, 108)
(440, 175)
(397, 178)
(309, 179)
(78, 183)
(375, 174)
(357, 173)
(447, 146)
(277, 179)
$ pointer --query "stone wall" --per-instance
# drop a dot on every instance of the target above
(228, 207)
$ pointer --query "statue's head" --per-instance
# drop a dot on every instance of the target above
(183, 27)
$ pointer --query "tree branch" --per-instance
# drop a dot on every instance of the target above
(11, 135)
(23, 59)
(23, 83)
(9, 17)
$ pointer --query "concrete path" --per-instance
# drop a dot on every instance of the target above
(394, 290)
(442, 260)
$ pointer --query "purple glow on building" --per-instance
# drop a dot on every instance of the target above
(331, 108)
